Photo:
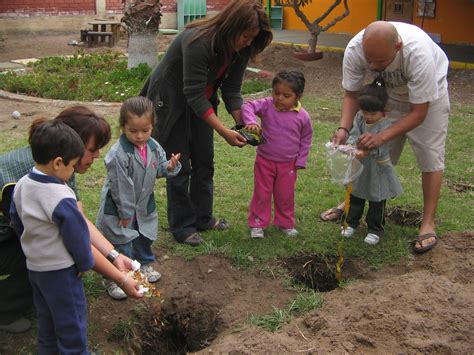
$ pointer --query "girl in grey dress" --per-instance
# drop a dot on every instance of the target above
(378, 181)
(127, 213)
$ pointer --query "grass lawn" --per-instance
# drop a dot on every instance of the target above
(315, 192)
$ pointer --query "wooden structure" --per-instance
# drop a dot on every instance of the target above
(103, 32)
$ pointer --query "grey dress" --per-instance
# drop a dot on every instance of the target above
(128, 191)
(378, 180)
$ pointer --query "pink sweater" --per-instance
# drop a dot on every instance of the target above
(288, 133)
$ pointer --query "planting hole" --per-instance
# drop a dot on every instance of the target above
(405, 216)
(178, 327)
(317, 272)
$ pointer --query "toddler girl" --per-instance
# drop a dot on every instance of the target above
(127, 214)
(378, 180)
(286, 127)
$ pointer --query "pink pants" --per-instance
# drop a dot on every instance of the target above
(279, 180)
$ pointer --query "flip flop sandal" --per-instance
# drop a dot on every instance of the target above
(194, 240)
(337, 212)
(423, 237)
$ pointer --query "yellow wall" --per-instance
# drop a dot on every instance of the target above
(454, 18)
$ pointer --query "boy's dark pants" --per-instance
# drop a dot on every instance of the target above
(375, 218)
(62, 311)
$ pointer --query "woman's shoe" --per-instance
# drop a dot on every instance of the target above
(194, 240)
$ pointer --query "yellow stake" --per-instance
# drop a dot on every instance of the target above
(340, 244)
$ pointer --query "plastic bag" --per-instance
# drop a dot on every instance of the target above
(342, 163)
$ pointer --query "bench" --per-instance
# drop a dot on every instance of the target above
(95, 37)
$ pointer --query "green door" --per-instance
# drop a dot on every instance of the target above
(190, 10)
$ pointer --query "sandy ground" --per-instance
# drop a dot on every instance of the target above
(424, 305)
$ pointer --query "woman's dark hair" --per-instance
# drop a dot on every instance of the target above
(87, 124)
(233, 20)
(138, 106)
(293, 78)
(373, 97)
(53, 139)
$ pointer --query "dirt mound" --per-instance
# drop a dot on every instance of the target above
(423, 307)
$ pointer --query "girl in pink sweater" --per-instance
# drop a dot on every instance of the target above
(286, 127)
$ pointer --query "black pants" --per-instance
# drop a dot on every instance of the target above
(190, 193)
(15, 290)
(375, 217)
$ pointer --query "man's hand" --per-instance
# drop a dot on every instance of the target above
(123, 263)
(370, 141)
(340, 136)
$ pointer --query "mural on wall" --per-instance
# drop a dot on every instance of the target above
(314, 26)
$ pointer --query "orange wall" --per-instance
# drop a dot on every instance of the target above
(362, 12)
(454, 21)
(454, 18)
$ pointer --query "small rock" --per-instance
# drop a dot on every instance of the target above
(209, 271)
(16, 115)
(250, 257)
(165, 257)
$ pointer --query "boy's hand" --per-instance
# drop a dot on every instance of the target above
(123, 263)
(124, 222)
(173, 161)
(131, 287)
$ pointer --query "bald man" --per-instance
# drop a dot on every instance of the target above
(414, 69)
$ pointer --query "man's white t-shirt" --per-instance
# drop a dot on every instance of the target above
(416, 75)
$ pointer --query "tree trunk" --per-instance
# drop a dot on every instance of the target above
(142, 48)
(313, 41)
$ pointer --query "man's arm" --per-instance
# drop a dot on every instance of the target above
(350, 107)
(413, 119)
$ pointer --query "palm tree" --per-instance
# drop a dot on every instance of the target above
(142, 20)
(314, 27)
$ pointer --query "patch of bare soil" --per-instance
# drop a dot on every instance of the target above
(423, 306)
(200, 298)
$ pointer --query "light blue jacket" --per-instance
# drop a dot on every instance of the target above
(128, 190)
(378, 180)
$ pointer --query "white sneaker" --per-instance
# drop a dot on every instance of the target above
(257, 233)
(347, 232)
(151, 274)
(290, 232)
(372, 239)
(113, 290)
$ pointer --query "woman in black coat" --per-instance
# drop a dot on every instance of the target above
(209, 54)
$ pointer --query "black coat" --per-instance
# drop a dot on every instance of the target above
(177, 86)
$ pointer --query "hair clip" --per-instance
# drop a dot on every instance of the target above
(379, 81)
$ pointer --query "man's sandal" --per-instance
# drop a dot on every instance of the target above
(423, 237)
(331, 215)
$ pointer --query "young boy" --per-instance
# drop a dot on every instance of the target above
(55, 239)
